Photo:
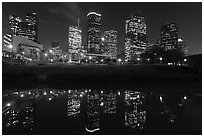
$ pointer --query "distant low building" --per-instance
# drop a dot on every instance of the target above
(182, 45)
(55, 44)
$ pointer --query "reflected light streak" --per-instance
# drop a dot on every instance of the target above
(92, 130)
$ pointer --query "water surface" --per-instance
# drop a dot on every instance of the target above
(90, 111)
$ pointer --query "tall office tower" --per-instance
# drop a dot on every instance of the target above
(135, 36)
(31, 22)
(109, 44)
(22, 31)
(75, 40)
(169, 36)
(27, 28)
(94, 32)
(14, 23)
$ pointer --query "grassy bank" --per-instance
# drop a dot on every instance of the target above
(104, 76)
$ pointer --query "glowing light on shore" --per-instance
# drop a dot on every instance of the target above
(8, 104)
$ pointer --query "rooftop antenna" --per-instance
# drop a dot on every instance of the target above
(78, 22)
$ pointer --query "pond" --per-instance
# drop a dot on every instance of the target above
(47, 111)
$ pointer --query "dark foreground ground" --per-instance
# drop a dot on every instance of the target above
(154, 77)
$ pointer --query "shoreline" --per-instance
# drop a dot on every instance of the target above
(170, 78)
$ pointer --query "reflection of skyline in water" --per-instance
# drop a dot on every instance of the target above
(20, 118)
(19, 107)
(93, 111)
(73, 103)
(135, 115)
(109, 103)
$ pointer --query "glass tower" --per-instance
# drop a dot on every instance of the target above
(169, 36)
(135, 36)
(94, 32)
(75, 39)
(110, 41)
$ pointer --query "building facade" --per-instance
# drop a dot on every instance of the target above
(31, 22)
(75, 41)
(94, 32)
(135, 36)
(7, 41)
(27, 28)
(109, 46)
(28, 48)
(14, 23)
(169, 36)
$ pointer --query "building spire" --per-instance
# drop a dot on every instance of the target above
(78, 22)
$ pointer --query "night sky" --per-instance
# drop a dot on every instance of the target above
(54, 19)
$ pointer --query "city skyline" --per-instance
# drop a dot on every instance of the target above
(50, 15)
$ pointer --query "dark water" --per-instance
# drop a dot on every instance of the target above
(89, 111)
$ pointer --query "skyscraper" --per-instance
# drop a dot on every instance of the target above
(27, 28)
(75, 40)
(31, 22)
(169, 36)
(110, 41)
(135, 36)
(94, 32)
(14, 23)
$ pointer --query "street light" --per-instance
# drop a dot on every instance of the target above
(102, 61)
(10, 46)
(160, 59)
(8, 104)
(148, 59)
(45, 54)
(138, 60)
(185, 61)
(119, 60)
(90, 57)
(103, 39)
